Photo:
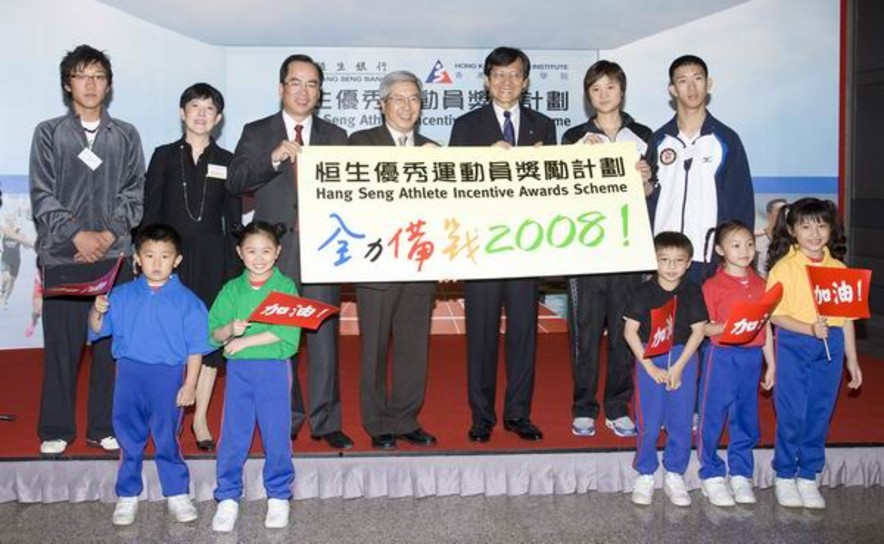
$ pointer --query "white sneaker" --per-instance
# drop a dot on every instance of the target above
(810, 494)
(583, 426)
(673, 486)
(643, 491)
(786, 492)
(53, 447)
(108, 443)
(741, 487)
(124, 512)
(182, 508)
(622, 426)
(717, 492)
(277, 514)
(225, 516)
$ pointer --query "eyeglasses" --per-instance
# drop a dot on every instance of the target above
(399, 101)
(94, 78)
(297, 84)
(507, 76)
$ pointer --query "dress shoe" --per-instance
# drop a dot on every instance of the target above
(523, 428)
(479, 433)
(418, 437)
(383, 442)
(336, 440)
(203, 445)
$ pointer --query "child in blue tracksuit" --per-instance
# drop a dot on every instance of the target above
(160, 333)
(807, 233)
(666, 385)
(729, 385)
(258, 379)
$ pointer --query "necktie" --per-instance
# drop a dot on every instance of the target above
(403, 141)
(509, 133)
(300, 141)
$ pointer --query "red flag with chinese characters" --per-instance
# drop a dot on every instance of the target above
(662, 327)
(747, 318)
(840, 292)
(283, 309)
(99, 286)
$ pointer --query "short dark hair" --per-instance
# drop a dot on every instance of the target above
(284, 68)
(671, 239)
(157, 232)
(504, 56)
(686, 60)
(81, 56)
(601, 69)
(199, 91)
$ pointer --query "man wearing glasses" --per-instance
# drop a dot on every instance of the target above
(264, 162)
(401, 310)
(503, 123)
(87, 189)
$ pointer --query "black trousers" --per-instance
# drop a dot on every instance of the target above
(65, 322)
(594, 303)
(483, 301)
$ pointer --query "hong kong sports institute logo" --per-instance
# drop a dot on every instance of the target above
(439, 74)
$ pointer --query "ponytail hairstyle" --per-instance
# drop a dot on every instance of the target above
(800, 211)
(273, 231)
(719, 233)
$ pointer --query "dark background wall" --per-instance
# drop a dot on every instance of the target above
(864, 168)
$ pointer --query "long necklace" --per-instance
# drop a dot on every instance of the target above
(199, 216)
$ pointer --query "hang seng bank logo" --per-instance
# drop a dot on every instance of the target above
(439, 74)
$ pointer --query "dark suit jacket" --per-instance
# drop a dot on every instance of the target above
(480, 127)
(276, 200)
(381, 136)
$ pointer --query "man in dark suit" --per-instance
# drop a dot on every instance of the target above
(503, 123)
(264, 162)
(402, 310)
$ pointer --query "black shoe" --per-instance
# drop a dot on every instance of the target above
(203, 445)
(336, 440)
(524, 428)
(418, 437)
(383, 442)
(479, 433)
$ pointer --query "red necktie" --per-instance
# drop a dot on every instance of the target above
(300, 141)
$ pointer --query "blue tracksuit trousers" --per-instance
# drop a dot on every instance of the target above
(804, 397)
(258, 390)
(656, 407)
(144, 405)
(729, 396)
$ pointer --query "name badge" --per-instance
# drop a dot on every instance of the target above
(90, 159)
(217, 171)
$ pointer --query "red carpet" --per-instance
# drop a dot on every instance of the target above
(446, 414)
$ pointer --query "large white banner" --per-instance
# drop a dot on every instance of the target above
(409, 214)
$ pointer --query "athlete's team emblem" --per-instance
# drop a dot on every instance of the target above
(438, 74)
(667, 156)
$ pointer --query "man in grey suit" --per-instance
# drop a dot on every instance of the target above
(402, 310)
(264, 162)
(503, 123)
